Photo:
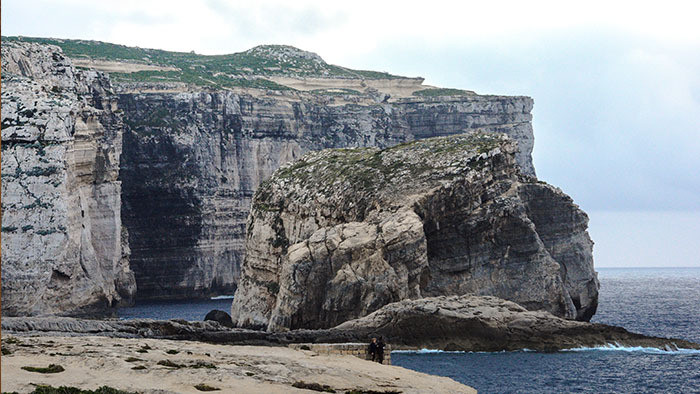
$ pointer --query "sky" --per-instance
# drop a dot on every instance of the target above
(616, 84)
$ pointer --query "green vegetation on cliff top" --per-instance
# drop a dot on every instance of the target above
(368, 171)
(243, 69)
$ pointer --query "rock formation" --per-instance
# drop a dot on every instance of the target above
(220, 317)
(341, 233)
(200, 134)
(63, 246)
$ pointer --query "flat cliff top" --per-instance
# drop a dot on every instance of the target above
(275, 68)
(240, 369)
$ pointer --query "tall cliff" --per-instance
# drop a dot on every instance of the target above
(200, 133)
(341, 233)
(192, 162)
(63, 246)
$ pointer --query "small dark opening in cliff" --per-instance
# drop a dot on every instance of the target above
(58, 276)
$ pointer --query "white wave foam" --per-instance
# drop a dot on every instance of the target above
(609, 347)
(222, 297)
(651, 350)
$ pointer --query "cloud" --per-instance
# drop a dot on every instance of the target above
(645, 239)
(616, 118)
(616, 87)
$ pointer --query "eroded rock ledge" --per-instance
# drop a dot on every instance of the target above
(341, 233)
(468, 323)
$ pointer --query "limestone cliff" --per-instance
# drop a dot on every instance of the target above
(341, 233)
(63, 246)
(200, 133)
(193, 160)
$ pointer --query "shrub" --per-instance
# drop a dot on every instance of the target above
(52, 368)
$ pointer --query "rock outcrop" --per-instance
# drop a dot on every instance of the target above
(220, 317)
(341, 233)
(63, 246)
(489, 324)
(193, 160)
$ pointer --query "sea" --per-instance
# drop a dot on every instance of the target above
(661, 302)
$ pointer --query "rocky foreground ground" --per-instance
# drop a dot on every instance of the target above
(166, 366)
(176, 355)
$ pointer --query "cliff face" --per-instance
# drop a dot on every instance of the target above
(193, 160)
(191, 139)
(63, 246)
(341, 233)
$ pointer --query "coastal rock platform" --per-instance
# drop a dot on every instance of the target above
(466, 323)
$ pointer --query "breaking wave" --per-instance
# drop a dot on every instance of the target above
(650, 350)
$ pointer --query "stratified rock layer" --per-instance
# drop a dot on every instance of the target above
(193, 160)
(341, 233)
(63, 247)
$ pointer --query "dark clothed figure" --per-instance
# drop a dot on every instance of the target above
(373, 349)
(380, 351)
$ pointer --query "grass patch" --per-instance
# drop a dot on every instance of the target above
(52, 368)
(132, 359)
(442, 92)
(195, 365)
(169, 364)
(43, 389)
(173, 351)
(138, 367)
(202, 364)
(206, 387)
(313, 386)
(218, 71)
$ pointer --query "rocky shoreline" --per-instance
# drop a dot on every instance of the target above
(465, 323)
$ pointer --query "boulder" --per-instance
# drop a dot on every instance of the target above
(221, 317)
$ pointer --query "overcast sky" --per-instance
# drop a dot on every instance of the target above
(616, 86)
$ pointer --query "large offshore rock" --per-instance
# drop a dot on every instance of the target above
(63, 246)
(193, 160)
(473, 323)
(341, 233)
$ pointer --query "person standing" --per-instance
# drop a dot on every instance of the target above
(380, 351)
(373, 349)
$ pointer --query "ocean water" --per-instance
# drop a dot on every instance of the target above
(166, 310)
(654, 301)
